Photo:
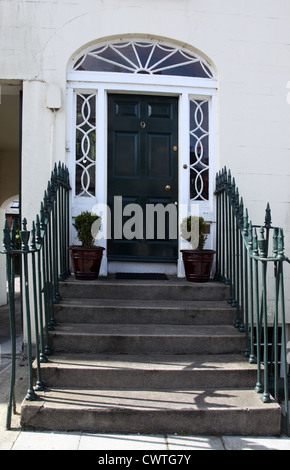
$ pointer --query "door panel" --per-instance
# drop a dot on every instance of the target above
(159, 144)
(126, 149)
(143, 169)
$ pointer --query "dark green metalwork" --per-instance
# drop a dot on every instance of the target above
(244, 262)
(45, 262)
(9, 244)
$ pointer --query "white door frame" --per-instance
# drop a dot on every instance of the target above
(183, 87)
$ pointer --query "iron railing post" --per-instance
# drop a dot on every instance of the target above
(284, 346)
(232, 198)
(11, 290)
(229, 189)
(252, 357)
(39, 384)
(42, 355)
(25, 234)
(266, 394)
(218, 229)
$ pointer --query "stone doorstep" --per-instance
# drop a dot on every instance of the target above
(203, 412)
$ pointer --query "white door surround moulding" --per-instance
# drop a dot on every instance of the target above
(102, 84)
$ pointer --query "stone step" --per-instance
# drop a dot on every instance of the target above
(207, 312)
(147, 339)
(173, 289)
(202, 412)
(139, 372)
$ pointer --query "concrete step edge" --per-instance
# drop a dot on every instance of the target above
(154, 330)
(211, 411)
(143, 314)
(150, 372)
(179, 289)
(190, 363)
(187, 305)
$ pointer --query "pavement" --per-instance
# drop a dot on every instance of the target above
(158, 445)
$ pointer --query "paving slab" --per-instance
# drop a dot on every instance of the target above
(122, 442)
(30, 440)
(46, 441)
(8, 438)
(255, 443)
(189, 443)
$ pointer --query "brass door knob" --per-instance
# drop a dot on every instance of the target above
(167, 188)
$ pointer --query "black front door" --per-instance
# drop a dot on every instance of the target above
(143, 178)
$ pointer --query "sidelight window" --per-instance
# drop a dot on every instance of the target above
(199, 150)
(85, 144)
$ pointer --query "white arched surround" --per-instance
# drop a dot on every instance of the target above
(187, 89)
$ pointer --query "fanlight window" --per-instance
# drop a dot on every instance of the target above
(144, 58)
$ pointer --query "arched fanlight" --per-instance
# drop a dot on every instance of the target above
(142, 57)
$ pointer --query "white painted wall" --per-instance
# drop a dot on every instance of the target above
(248, 43)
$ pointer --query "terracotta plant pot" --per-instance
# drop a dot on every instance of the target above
(197, 264)
(86, 262)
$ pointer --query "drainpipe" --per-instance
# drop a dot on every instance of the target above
(20, 200)
(20, 153)
(53, 102)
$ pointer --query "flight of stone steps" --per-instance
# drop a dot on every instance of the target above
(149, 357)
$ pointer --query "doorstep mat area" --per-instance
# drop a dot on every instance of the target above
(143, 276)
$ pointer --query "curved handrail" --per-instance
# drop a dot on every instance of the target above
(245, 253)
(44, 262)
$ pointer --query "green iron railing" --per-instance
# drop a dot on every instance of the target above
(44, 261)
(250, 260)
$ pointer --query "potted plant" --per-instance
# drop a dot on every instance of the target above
(197, 261)
(87, 258)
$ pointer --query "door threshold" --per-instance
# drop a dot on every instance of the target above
(142, 276)
(131, 267)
